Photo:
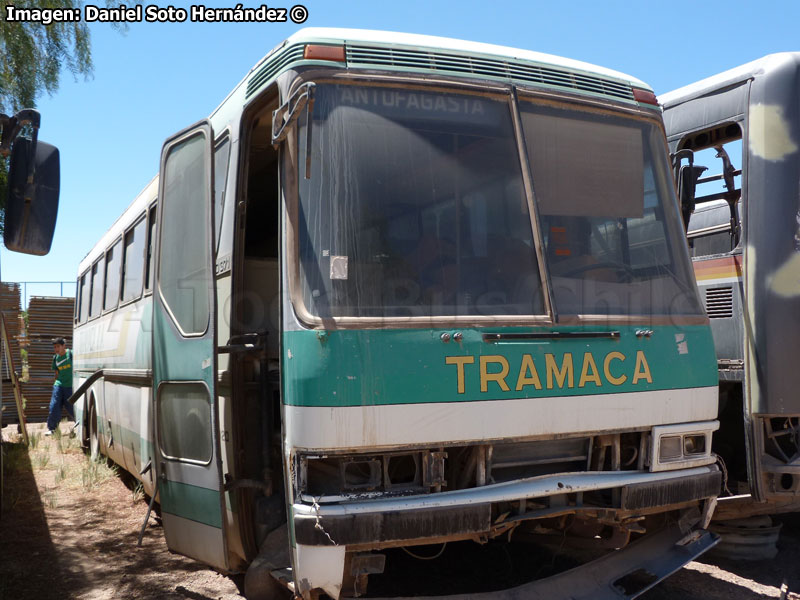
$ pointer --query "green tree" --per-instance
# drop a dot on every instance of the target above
(33, 56)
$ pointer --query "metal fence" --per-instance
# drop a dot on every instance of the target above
(46, 288)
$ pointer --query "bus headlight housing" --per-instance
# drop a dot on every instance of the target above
(681, 446)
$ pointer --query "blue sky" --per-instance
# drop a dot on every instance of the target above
(158, 78)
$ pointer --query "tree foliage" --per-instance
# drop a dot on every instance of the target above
(32, 55)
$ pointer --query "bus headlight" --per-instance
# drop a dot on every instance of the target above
(681, 446)
(694, 444)
(670, 448)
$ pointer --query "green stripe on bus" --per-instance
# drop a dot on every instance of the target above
(192, 502)
(411, 366)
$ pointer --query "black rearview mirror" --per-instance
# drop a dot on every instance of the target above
(686, 176)
(33, 186)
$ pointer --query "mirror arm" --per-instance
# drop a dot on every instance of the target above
(13, 125)
(287, 114)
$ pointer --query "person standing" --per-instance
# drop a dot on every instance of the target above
(62, 387)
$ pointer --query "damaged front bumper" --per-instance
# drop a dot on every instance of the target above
(626, 573)
(324, 532)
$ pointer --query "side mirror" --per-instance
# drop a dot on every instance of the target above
(34, 178)
(686, 176)
(687, 185)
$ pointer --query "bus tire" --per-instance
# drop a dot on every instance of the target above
(94, 437)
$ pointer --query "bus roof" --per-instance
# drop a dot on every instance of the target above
(390, 38)
(452, 57)
(731, 77)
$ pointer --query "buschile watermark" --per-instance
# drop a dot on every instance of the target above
(155, 13)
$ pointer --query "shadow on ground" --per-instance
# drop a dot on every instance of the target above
(29, 563)
(68, 532)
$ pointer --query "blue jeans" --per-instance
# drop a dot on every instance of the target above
(57, 400)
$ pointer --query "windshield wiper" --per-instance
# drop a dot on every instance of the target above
(288, 112)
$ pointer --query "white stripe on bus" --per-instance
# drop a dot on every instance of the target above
(335, 428)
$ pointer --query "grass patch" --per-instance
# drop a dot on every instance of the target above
(34, 439)
(62, 473)
(14, 458)
(95, 472)
(41, 459)
(138, 492)
(51, 499)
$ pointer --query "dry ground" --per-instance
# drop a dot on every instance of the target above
(69, 529)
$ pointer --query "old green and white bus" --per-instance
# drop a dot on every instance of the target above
(402, 290)
(743, 125)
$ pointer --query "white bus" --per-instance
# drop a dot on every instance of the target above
(402, 290)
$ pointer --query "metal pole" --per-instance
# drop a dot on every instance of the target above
(146, 468)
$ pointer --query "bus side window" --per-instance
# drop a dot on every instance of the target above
(133, 261)
(715, 243)
(151, 237)
(718, 194)
(222, 153)
(83, 308)
(76, 308)
(111, 293)
(97, 288)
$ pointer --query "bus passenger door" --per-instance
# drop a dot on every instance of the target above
(186, 433)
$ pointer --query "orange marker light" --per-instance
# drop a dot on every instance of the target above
(645, 96)
(317, 52)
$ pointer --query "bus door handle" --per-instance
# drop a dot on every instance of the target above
(248, 342)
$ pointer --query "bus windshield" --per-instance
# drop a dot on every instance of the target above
(610, 225)
(416, 208)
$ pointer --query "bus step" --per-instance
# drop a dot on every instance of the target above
(284, 577)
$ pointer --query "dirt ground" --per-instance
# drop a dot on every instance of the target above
(69, 529)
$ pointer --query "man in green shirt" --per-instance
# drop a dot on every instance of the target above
(62, 387)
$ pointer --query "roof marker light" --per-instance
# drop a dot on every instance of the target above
(645, 96)
(318, 52)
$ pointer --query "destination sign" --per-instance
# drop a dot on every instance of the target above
(402, 103)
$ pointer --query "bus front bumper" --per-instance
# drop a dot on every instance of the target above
(324, 532)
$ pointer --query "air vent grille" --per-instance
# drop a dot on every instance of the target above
(272, 68)
(443, 62)
(457, 64)
(719, 302)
